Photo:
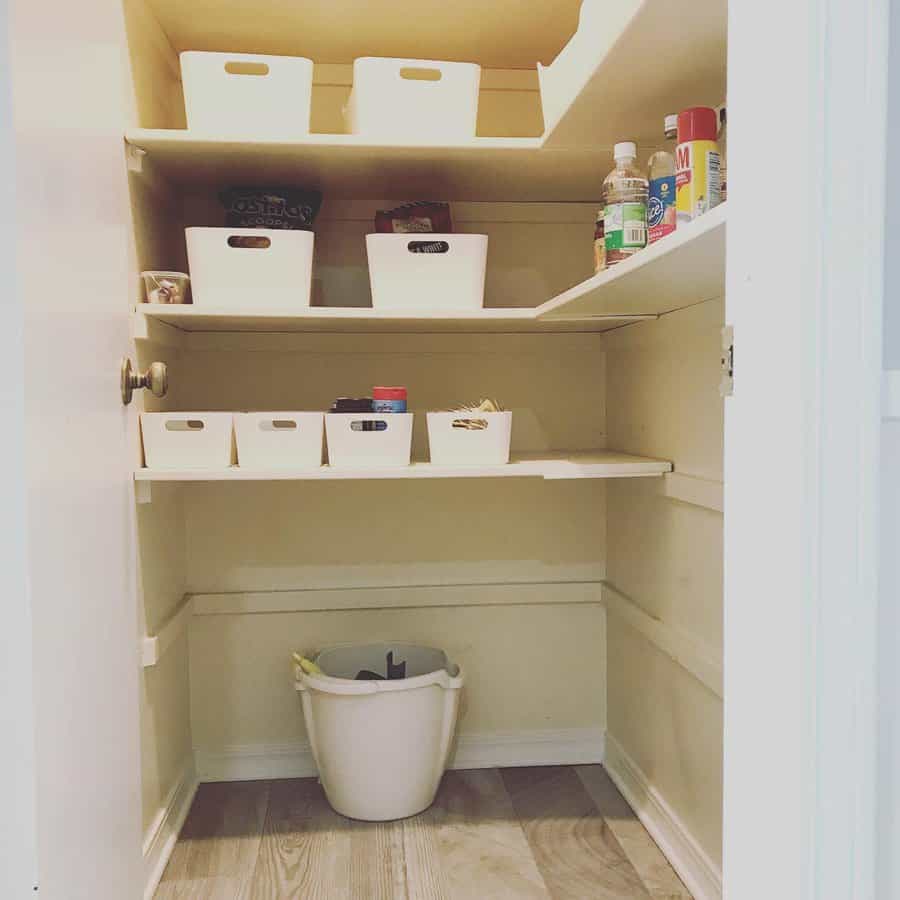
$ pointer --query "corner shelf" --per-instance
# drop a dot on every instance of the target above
(680, 270)
(549, 466)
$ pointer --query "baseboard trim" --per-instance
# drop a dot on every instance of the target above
(570, 746)
(159, 841)
(700, 875)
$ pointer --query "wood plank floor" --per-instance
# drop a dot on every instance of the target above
(547, 833)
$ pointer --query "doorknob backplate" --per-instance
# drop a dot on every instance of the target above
(156, 378)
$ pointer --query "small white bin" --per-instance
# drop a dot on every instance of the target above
(381, 747)
(243, 268)
(368, 440)
(279, 440)
(247, 95)
(422, 100)
(451, 279)
(187, 440)
(451, 443)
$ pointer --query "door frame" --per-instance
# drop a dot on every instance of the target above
(802, 438)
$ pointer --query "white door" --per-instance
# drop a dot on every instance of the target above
(71, 242)
(807, 88)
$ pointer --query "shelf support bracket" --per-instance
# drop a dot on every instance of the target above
(134, 158)
(143, 492)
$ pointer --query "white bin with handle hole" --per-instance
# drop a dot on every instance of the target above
(422, 100)
(247, 95)
(381, 746)
(279, 440)
(247, 268)
(369, 440)
(187, 440)
(450, 277)
(469, 438)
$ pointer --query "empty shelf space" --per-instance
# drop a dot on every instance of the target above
(685, 268)
(550, 466)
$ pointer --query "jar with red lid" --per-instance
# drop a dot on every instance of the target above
(389, 399)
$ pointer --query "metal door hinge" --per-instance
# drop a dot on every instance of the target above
(726, 384)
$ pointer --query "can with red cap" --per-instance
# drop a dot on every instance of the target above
(696, 163)
(389, 399)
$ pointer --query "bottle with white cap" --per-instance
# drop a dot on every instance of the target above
(624, 206)
(661, 219)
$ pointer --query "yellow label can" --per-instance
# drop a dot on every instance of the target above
(697, 185)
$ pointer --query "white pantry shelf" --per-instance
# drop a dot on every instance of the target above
(477, 169)
(360, 320)
(549, 466)
(685, 268)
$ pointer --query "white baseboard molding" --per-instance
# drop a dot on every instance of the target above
(569, 746)
(702, 877)
(159, 841)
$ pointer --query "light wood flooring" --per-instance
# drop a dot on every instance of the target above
(559, 832)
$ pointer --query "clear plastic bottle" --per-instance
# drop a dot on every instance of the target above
(661, 218)
(624, 206)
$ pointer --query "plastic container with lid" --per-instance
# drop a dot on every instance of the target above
(696, 163)
(389, 399)
(661, 218)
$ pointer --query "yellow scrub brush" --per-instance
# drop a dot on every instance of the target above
(307, 665)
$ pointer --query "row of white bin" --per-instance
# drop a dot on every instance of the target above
(274, 269)
(293, 440)
(270, 96)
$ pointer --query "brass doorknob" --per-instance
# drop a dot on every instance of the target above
(156, 378)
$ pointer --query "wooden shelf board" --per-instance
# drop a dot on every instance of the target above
(365, 320)
(680, 270)
(550, 466)
(482, 169)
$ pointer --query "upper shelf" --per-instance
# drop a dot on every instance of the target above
(682, 269)
(628, 65)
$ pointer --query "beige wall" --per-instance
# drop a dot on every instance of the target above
(527, 667)
(666, 557)
(358, 535)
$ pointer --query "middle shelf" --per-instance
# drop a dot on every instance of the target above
(556, 466)
(685, 268)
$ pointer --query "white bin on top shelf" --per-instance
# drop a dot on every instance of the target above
(448, 276)
(368, 440)
(246, 94)
(469, 438)
(187, 440)
(279, 440)
(250, 268)
(419, 100)
(381, 746)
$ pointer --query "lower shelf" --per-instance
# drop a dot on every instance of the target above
(550, 466)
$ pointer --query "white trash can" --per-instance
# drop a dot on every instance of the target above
(381, 746)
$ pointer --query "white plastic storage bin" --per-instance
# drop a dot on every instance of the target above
(450, 279)
(452, 443)
(247, 268)
(381, 747)
(247, 95)
(187, 440)
(421, 100)
(368, 440)
(279, 440)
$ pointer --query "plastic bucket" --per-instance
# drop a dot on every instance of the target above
(381, 746)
